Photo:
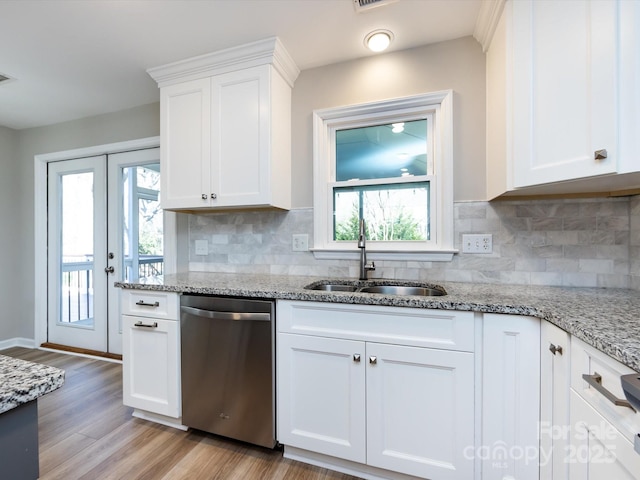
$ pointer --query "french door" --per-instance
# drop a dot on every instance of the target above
(104, 225)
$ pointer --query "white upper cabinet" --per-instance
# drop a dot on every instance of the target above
(226, 128)
(564, 90)
(561, 99)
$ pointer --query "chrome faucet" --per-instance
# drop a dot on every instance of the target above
(364, 266)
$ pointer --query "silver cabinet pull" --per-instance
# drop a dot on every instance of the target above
(373, 360)
(109, 270)
(214, 196)
(595, 381)
(555, 349)
(204, 196)
(146, 325)
(142, 303)
(600, 154)
(356, 357)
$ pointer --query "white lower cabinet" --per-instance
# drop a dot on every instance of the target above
(598, 451)
(510, 397)
(321, 395)
(392, 408)
(150, 379)
(603, 427)
(555, 371)
(420, 410)
(151, 355)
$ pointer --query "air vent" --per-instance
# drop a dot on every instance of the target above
(366, 5)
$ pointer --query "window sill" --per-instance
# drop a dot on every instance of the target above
(399, 255)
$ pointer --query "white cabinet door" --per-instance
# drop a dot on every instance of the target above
(565, 86)
(420, 410)
(151, 365)
(598, 451)
(555, 383)
(510, 397)
(185, 144)
(321, 395)
(240, 137)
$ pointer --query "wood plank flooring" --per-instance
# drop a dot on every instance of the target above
(87, 433)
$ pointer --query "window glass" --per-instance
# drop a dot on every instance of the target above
(391, 212)
(382, 151)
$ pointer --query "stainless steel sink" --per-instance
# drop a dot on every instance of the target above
(382, 288)
(403, 290)
(332, 287)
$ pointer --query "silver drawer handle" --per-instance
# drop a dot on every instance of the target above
(555, 349)
(142, 303)
(140, 324)
(595, 381)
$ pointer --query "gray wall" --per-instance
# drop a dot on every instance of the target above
(132, 124)
(10, 235)
(457, 64)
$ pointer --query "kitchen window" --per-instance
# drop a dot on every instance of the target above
(390, 163)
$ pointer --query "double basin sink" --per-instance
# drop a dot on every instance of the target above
(377, 286)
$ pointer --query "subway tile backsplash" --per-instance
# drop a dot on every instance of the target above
(570, 242)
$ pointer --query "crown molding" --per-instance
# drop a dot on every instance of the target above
(487, 21)
(269, 51)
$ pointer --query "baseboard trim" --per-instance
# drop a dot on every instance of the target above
(17, 342)
(81, 352)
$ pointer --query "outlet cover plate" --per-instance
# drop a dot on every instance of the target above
(300, 242)
(477, 243)
(202, 247)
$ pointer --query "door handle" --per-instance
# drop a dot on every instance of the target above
(109, 270)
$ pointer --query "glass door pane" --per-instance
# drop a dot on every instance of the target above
(77, 249)
(77, 232)
(135, 237)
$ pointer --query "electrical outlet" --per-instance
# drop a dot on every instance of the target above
(202, 247)
(300, 242)
(477, 243)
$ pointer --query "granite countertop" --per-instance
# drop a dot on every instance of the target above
(607, 319)
(22, 381)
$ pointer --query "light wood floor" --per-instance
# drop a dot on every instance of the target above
(86, 433)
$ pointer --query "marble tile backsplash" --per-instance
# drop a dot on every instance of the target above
(572, 242)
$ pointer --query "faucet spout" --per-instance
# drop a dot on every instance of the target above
(364, 266)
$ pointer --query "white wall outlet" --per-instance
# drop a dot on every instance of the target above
(202, 247)
(477, 243)
(300, 242)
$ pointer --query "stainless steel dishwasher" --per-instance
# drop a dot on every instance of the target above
(228, 373)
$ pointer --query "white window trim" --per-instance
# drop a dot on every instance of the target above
(326, 121)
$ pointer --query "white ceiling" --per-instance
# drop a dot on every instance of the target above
(74, 59)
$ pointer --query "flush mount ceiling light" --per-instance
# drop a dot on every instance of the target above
(378, 40)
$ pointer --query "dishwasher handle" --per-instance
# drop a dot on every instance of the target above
(239, 316)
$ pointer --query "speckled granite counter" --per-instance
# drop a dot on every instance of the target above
(608, 319)
(22, 381)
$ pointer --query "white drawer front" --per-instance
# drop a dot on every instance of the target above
(443, 329)
(587, 360)
(150, 303)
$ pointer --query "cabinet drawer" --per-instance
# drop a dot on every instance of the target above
(151, 365)
(443, 329)
(150, 303)
(587, 360)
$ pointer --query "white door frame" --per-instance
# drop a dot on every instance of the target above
(40, 222)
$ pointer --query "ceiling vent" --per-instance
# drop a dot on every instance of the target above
(366, 5)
